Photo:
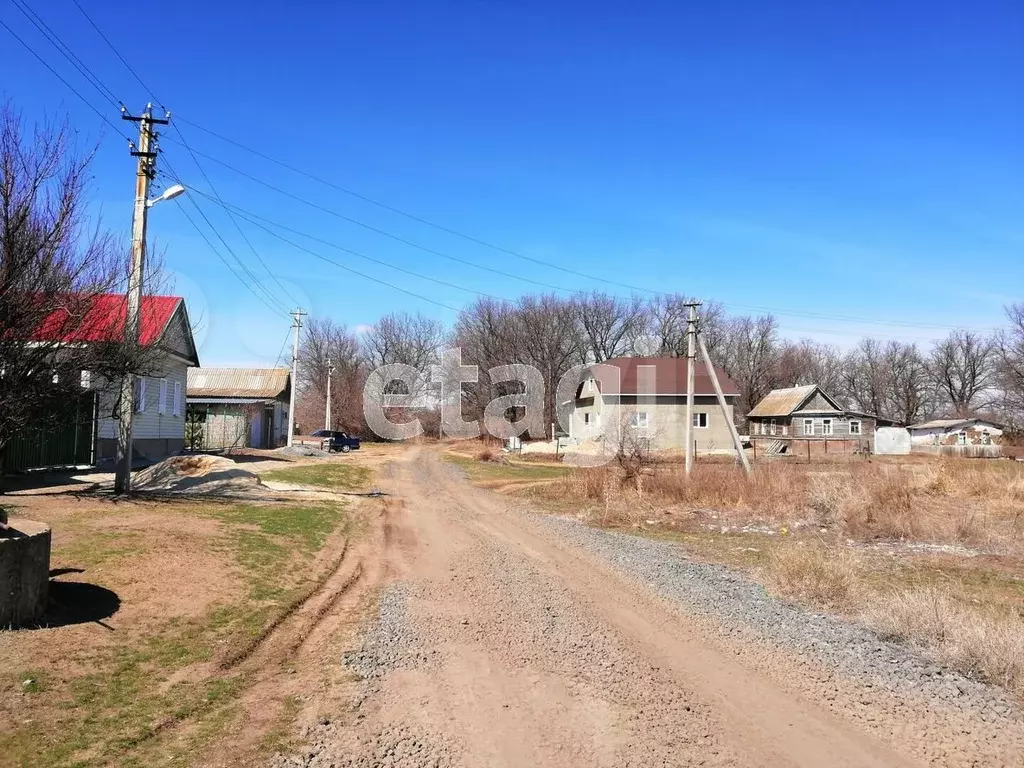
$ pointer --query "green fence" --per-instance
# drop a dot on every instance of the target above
(66, 445)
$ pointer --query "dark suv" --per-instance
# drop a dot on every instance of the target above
(337, 441)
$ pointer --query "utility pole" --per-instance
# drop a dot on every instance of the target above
(146, 152)
(297, 314)
(327, 415)
(691, 364)
(721, 403)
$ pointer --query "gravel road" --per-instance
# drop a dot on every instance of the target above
(508, 638)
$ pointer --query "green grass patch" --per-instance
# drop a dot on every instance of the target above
(332, 475)
(515, 470)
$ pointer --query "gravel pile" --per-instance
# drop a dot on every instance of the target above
(397, 747)
(391, 642)
(307, 451)
(738, 604)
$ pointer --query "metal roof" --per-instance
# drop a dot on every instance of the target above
(952, 423)
(664, 376)
(782, 402)
(258, 383)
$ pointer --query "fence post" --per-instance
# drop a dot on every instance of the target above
(808, 451)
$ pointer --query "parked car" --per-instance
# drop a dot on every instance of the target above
(337, 441)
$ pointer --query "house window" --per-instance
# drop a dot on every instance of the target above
(772, 427)
(638, 420)
(176, 403)
(854, 427)
(588, 418)
(826, 427)
(140, 394)
(961, 438)
(808, 426)
(161, 403)
(700, 420)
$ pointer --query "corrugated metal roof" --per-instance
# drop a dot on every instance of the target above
(663, 376)
(952, 423)
(238, 382)
(782, 402)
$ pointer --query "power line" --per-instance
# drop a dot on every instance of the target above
(117, 53)
(419, 219)
(272, 308)
(356, 271)
(284, 346)
(54, 39)
(68, 85)
(383, 232)
(233, 221)
(253, 218)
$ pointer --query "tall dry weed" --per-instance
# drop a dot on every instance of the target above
(975, 641)
(810, 574)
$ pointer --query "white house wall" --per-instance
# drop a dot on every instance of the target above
(150, 424)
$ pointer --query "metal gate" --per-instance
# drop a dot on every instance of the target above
(68, 445)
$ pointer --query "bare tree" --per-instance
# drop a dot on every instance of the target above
(51, 271)
(610, 325)
(748, 354)
(403, 338)
(323, 339)
(1010, 358)
(964, 367)
(911, 392)
(810, 362)
(865, 379)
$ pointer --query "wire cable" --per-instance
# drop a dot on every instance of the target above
(253, 218)
(54, 39)
(233, 221)
(117, 53)
(284, 346)
(68, 85)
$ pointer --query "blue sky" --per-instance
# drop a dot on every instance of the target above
(842, 159)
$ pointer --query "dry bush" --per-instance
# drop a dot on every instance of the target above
(810, 574)
(888, 509)
(830, 499)
(487, 454)
(973, 640)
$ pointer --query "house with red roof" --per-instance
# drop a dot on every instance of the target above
(647, 396)
(158, 427)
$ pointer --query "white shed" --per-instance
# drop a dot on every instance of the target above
(955, 432)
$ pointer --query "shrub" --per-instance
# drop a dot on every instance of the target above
(809, 574)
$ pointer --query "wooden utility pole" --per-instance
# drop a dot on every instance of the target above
(327, 415)
(721, 403)
(691, 364)
(146, 153)
(297, 314)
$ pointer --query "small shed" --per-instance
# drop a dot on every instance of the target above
(951, 432)
(237, 408)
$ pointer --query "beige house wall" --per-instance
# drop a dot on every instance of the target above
(666, 419)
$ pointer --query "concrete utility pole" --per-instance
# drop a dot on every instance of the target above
(691, 364)
(298, 314)
(721, 403)
(327, 415)
(146, 152)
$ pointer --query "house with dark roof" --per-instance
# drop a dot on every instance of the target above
(648, 396)
(809, 413)
(238, 407)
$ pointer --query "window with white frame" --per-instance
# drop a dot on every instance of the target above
(161, 403)
(855, 426)
(700, 420)
(639, 420)
(772, 427)
(826, 427)
(176, 402)
(586, 418)
(140, 394)
(808, 426)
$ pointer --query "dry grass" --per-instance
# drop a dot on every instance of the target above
(979, 504)
(487, 454)
(978, 641)
(810, 574)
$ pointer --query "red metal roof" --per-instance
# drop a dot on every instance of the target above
(669, 377)
(103, 320)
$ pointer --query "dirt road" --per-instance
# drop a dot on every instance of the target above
(499, 643)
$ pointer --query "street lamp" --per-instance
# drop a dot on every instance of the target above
(169, 194)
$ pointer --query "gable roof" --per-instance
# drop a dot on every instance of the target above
(784, 402)
(257, 383)
(669, 377)
(103, 321)
(953, 423)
